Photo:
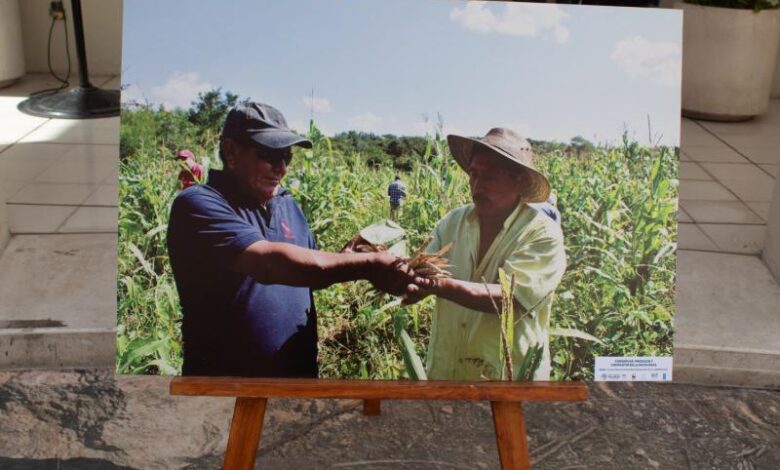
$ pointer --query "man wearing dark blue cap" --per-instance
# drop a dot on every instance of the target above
(245, 261)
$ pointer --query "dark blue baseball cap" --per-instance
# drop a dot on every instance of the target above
(262, 124)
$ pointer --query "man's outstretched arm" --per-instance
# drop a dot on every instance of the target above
(474, 295)
(283, 263)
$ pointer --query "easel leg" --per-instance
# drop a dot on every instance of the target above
(510, 435)
(372, 407)
(244, 433)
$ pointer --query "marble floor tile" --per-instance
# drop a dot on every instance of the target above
(748, 182)
(68, 194)
(103, 195)
(704, 190)
(92, 219)
(36, 218)
(721, 212)
(745, 239)
(691, 237)
(714, 153)
(693, 171)
(760, 208)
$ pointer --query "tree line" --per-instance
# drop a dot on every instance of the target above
(199, 127)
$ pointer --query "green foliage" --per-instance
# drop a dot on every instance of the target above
(530, 363)
(542, 147)
(580, 144)
(149, 334)
(385, 150)
(755, 5)
(618, 208)
(412, 361)
(145, 129)
(208, 114)
(507, 321)
(619, 219)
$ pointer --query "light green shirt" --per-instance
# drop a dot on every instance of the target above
(465, 343)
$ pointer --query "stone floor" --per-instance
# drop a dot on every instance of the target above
(58, 175)
(59, 178)
(728, 303)
(727, 174)
(90, 420)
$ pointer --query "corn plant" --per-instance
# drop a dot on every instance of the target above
(618, 207)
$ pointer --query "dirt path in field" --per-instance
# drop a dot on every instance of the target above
(91, 420)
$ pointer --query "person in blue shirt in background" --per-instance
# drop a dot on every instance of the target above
(397, 193)
(245, 262)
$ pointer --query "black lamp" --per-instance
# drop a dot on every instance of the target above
(83, 102)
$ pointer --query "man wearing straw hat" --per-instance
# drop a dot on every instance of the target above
(499, 230)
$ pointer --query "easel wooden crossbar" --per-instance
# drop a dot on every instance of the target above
(251, 394)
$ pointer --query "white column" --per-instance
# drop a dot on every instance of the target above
(771, 253)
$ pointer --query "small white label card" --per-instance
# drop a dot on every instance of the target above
(633, 369)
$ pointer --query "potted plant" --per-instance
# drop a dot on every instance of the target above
(729, 53)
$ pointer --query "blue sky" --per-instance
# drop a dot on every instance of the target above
(391, 66)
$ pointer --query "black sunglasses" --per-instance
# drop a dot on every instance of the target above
(274, 157)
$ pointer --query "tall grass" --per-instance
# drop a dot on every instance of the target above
(618, 207)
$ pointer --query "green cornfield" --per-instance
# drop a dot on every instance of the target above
(618, 207)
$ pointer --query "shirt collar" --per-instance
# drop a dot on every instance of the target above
(515, 214)
(471, 215)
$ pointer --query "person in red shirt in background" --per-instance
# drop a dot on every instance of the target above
(193, 173)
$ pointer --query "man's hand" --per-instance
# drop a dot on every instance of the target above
(284, 263)
(391, 274)
(422, 288)
(358, 245)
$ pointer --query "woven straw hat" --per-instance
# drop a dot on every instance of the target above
(506, 144)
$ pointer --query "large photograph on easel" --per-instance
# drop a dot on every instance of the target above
(406, 189)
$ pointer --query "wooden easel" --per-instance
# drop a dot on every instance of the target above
(251, 394)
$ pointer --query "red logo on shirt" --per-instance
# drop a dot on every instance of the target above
(287, 232)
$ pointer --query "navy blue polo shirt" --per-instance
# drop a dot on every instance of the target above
(232, 325)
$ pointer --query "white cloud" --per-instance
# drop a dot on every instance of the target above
(657, 60)
(133, 94)
(516, 19)
(180, 90)
(317, 105)
(366, 122)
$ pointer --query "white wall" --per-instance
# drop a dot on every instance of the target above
(102, 30)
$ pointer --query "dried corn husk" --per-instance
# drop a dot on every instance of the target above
(430, 265)
(425, 265)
